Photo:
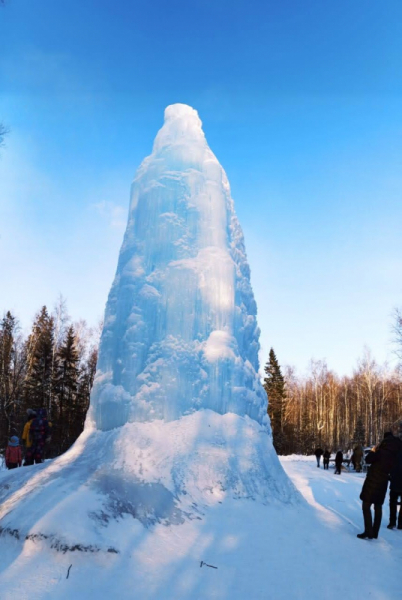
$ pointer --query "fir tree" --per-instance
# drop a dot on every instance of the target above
(359, 436)
(65, 391)
(39, 381)
(86, 379)
(274, 385)
(7, 356)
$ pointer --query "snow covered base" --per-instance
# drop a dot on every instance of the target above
(111, 485)
(294, 550)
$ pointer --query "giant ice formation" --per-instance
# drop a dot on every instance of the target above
(177, 422)
(180, 330)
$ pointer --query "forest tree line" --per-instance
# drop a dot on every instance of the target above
(53, 368)
(323, 409)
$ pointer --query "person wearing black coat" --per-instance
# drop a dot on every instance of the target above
(318, 453)
(381, 460)
(327, 456)
(395, 492)
(338, 462)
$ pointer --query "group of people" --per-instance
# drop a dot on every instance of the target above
(35, 435)
(356, 459)
(384, 465)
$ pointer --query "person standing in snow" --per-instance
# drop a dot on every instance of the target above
(327, 456)
(395, 488)
(26, 438)
(39, 432)
(13, 453)
(358, 455)
(338, 462)
(381, 460)
(318, 453)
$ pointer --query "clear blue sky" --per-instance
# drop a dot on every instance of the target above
(301, 103)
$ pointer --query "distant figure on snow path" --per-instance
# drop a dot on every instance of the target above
(358, 456)
(318, 453)
(338, 462)
(13, 453)
(395, 488)
(327, 456)
(381, 460)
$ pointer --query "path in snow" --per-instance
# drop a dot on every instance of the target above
(307, 551)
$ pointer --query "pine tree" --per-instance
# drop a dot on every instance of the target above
(359, 436)
(65, 392)
(12, 374)
(86, 379)
(7, 354)
(39, 381)
(274, 385)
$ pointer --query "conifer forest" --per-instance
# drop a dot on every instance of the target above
(53, 368)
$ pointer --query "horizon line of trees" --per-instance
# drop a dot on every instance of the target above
(326, 410)
(53, 368)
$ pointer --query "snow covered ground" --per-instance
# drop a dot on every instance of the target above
(261, 551)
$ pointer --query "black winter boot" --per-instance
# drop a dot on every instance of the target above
(364, 536)
(368, 523)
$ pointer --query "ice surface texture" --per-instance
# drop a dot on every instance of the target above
(180, 331)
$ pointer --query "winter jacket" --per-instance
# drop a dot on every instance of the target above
(319, 452)
(358, 453)
(26, 438)
(327, 455)
(39, 431)
(13, 455)
(381, 464)
(339, 458)
(396, 474)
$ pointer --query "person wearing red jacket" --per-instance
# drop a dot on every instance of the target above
(13, 453)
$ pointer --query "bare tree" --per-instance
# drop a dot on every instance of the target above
(397, 330)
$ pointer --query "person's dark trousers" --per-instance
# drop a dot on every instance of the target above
(12, 465)
(318, 460)
(326, 464)
(370, 529)
(393, 505)
(338, 469)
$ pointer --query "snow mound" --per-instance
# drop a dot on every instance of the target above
(140, 475)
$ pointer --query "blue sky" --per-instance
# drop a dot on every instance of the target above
(301, 103)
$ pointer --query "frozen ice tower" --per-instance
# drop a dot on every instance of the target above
(180, 330)
(177, 430)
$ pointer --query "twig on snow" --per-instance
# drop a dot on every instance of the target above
(207, 565)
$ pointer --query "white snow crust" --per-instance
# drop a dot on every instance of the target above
(180, 329)
(142, 473)
(283, 551)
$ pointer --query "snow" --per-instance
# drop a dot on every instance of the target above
(304, 548)
(153, 471)
(180, 330)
